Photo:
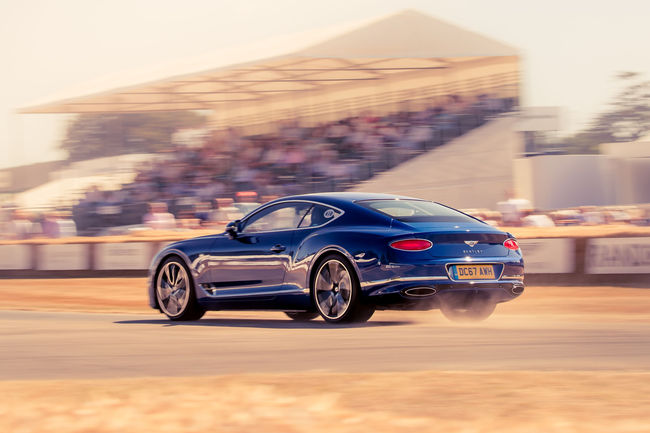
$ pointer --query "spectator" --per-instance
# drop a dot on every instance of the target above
(66, 226)
(591, 216)
(536, 219)
(202, 213)
(246, 201)
(20, 226)
(511, 211)
(50, 226)
(225, 211)
(158, 218)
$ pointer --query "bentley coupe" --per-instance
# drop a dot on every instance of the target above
(341, 256)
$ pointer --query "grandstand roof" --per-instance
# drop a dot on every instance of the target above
(404, 42)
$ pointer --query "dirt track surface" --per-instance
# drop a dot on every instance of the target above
(558, 359)
(467, 402)
(78, 345)
(129, 295)
(547, 328)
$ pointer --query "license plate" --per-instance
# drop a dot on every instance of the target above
(473, 272)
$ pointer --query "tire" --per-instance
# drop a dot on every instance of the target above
(467, 308)
(302, 316)
(175, 291)
(336, 293)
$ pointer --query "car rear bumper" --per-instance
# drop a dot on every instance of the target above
(423, 286)
(429, 294)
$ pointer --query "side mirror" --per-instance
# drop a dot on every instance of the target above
(232, 228)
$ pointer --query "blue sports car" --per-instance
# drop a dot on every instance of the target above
(341, 256)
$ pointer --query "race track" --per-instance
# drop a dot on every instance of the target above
(47, 345)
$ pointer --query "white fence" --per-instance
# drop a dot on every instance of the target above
(625, 255)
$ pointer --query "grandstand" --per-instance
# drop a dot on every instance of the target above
(329, 112)
(474, 170)
(69, 183)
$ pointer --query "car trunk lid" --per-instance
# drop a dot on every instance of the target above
(462, 240)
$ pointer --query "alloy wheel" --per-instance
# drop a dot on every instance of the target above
(173, 288)
(333, 289)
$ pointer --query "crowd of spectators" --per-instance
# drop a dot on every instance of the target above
(294, 159)
(520, 213)
(17, 224)
(229, 174)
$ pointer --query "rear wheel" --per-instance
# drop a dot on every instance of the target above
(336, 292)
(302, 316)
(175, 291)
(472, 307)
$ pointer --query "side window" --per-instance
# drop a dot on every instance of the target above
(282, 216)
(319, 215)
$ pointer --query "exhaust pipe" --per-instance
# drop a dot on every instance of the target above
(517, 290)
(420, 292)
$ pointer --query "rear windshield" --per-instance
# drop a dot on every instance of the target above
(416, 211)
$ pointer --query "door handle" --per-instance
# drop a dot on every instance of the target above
(278, 248)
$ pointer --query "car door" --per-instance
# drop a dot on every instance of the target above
(255, 261)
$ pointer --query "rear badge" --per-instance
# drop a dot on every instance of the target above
(471, 243)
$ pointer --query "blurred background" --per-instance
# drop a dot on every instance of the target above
(125, 125)
(129, 118)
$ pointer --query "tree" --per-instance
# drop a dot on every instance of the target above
(626, 119)
(96, 135)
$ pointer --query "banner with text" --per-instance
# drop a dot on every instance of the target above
(618, 256)
(63, 257)
(127, 255)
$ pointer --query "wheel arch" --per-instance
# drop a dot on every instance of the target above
(318, 257)
(157, 265)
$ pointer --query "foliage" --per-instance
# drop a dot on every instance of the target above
(107, 134)
(626, 119)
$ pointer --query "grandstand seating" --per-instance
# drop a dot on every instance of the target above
(330, 157)
(69, 183)
(474, 170)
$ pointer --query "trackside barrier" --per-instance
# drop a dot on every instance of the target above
(125, 255)
(54, 257)
(13, 257)
(578, 260)
(549, 256)
(618, 256)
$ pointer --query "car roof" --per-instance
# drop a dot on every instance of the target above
(344, 197)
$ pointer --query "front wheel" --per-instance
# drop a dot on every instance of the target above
(336, 292)
(467, 308)
(175, 291)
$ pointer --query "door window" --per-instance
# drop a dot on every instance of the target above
(281, 216)
(319, 215)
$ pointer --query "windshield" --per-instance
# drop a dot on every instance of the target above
(416, 211)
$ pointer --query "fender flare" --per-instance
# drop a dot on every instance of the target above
(154, 268)
(326, 250)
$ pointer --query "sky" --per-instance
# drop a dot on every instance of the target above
(571, 49)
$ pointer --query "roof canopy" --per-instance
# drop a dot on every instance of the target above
(404, 43)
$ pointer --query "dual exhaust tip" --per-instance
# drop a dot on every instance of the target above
(424, 291)
(420, 292)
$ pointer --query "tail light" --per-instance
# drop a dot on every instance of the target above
(511, 244)
(412, 245)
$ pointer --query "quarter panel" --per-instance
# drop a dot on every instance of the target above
(364, 246)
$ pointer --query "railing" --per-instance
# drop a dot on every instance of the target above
(582, 260)
(505, 84)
